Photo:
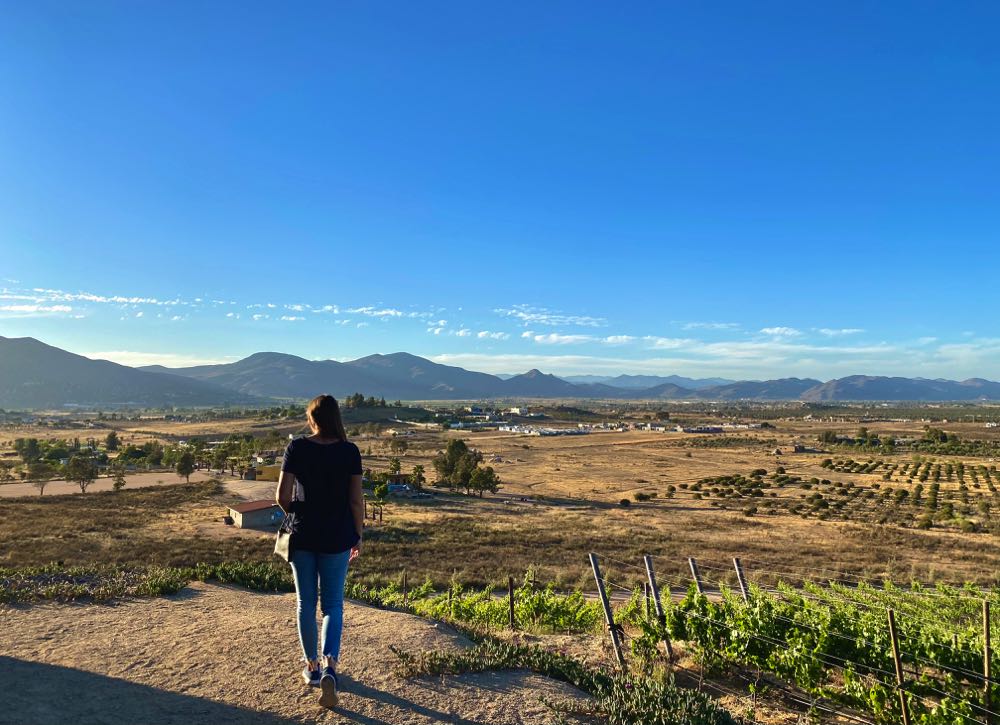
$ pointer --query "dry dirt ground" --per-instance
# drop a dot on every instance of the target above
(218, 654)
(135, 480)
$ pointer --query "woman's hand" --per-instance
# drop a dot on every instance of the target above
(355, 552)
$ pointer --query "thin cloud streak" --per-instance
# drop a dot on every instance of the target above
(528, 315)
(135, 358)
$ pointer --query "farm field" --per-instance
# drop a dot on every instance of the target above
(708, 496)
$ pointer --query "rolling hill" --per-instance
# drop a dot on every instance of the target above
(866, 387)
(36, 375)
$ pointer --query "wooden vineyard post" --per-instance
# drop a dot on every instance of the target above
(987, 656)
(608, 614)
(404, 587)
(645, 599)
(741, 579)
(904, 707)
(654, 592)
(451, 607)
(510, 601)
(694, 573)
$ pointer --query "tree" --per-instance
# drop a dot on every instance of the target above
(462, 475)
(484, 479)
(6, 471)
(394, 466)
(82, 471)
(219, 456)
(398, 445)
(456, 465)
(417, 478)
(117, 476)
(39, 474)
(28, 449)
(185, 465)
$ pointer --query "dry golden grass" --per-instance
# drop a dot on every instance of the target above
(573, 486)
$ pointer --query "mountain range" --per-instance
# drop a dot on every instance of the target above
(34, 375)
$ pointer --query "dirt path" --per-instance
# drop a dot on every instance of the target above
(218, 654)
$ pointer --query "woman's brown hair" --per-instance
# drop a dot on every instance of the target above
(324, 415)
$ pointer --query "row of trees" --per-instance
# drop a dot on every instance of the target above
(863, 438)
(83, 471)
(32, 450)
(357, 400)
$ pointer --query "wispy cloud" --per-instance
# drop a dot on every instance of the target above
(488, 335)
(389, 312)
(34, 310)
(710, 326)
(780, 331)
(667, 343)
(44, 296)
(540, 316)
(292, 318)
(375, 311)
(555, 338)
(829, 332)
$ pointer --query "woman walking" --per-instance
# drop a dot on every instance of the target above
(320, 489)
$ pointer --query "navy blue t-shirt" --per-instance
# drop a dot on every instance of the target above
(323, 521)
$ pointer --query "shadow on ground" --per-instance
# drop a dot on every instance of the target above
(36, 693)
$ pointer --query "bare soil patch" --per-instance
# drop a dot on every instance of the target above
(222, 654)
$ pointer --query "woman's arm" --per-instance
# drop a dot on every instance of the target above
(285, 491)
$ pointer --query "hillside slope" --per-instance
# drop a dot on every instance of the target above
(869, 387)
(36, 375)
(218, 654)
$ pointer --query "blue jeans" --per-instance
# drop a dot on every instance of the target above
(331, 571)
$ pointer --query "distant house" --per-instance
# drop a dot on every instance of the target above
(256, 514)
(398, 479)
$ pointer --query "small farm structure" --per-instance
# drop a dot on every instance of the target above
(256, 514)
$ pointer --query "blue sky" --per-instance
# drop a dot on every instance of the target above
(739, 189)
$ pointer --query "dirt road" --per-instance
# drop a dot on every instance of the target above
(134, 480)
(218, 654)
